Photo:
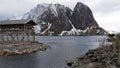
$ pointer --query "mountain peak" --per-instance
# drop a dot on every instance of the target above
(82, 17)
(43, 5)
(80, 4)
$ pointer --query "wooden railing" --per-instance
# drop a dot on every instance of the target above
(16, 35)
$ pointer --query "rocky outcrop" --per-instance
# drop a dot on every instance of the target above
(96, 58)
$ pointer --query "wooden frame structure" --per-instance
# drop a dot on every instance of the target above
(14, 31)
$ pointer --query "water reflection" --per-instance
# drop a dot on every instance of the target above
(20, 61)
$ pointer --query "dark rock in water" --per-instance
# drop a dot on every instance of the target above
(69, 64)
(90, 52)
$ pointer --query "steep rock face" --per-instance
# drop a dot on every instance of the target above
(82, 17)
(57, 15)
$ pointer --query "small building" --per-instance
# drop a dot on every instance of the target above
(17, 24)
(12, 29)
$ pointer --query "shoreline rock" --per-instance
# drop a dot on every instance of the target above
(101, 57)
(21, 48)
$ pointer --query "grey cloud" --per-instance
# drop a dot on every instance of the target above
(9, 8)
(107, 6)
(19, 7)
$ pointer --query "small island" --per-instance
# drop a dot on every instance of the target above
(21, 48)
(18, 37)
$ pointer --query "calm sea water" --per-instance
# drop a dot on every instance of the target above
(62, 48)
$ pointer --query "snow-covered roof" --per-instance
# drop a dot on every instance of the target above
(13, 22)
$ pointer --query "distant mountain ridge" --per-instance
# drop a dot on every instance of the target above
(57, 19)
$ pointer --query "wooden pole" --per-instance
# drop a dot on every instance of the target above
(28, 37)
(33, 33)
(33, 36)
(0, 34)
(118, 40)
(17, 35)
(118, 62)
(3, 36)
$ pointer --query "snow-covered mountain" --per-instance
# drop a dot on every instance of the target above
(58, 19)
(36, 12)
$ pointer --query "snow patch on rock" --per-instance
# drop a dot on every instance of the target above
(73, 31)
(49, 26)
(54, 9)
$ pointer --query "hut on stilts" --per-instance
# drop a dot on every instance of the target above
(15, 31)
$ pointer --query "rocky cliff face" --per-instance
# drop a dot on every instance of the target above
(56, 15)
(57, 19)
(82, 17)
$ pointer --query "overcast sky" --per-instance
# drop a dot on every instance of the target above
(106, 12)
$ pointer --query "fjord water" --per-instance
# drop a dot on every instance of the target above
(62, 48)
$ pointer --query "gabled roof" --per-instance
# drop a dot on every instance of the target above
(12, 22)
